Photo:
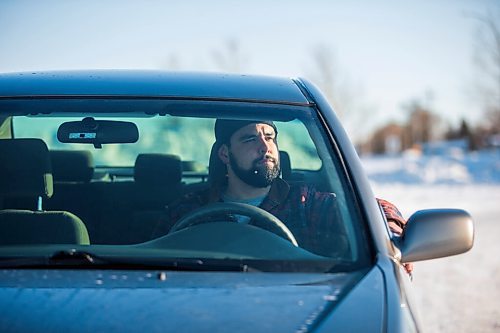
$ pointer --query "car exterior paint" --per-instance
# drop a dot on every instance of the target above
(55, 299)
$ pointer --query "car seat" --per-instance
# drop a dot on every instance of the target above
(25, 171)
(72, 172)
(131, 209)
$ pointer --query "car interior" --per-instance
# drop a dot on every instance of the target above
(27, 174)
(114, 202)
(56, 189)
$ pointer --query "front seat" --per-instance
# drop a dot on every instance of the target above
(25, 171)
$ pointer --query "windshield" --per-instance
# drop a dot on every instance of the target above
(261, 186)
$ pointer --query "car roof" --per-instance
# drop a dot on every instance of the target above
(151, 84)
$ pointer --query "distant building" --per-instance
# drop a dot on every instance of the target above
(387, 139)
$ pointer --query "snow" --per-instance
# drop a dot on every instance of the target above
(459, 293)
(454, 167)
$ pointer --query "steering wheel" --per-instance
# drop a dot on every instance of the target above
(223, 208)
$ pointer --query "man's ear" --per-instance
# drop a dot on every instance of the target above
(223, 153)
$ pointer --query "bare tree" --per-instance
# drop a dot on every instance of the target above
(487, 60)
(423, 124)
(327, 76)
(230, 58)
(172, 62)
(340, 92)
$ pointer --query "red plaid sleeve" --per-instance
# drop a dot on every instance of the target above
(394, 217)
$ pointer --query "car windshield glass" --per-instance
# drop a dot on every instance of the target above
(170, 195)
(161, 134)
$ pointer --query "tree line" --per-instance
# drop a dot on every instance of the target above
(424, 126)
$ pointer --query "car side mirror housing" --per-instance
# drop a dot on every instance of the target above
(436, 233)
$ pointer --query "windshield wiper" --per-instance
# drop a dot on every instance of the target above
(82, 259)
(193, 264)
(60, 258)
(74, 257)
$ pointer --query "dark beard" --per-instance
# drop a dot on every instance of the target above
(257, 175)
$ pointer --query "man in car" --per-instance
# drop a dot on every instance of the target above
(246, 169)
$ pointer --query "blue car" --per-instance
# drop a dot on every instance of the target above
(196, 202)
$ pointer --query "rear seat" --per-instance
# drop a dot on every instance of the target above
(72, 165)
(115, 212)
(130, 209)
(72, 171)
(158, 180)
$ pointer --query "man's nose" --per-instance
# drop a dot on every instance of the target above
(264, 145)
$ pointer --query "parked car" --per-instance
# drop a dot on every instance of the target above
(92, 162)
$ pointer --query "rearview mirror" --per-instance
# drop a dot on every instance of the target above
(436, 233)
(97, 132)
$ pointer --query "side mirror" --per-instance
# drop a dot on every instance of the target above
(436, 233)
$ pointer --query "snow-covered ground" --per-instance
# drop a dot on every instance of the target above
(459, 293)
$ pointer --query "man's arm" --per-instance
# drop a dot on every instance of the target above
(395, 219)
(396, 223)
(326, 234)
(177, 209)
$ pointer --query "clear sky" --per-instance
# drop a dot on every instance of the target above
(386, 53)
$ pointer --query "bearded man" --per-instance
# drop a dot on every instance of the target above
(246, 169)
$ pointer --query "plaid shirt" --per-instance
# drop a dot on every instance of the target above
(312, 216)
(394, 217)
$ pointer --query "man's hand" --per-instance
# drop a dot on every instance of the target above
(409, 268)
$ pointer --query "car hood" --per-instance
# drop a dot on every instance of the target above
(154, 301)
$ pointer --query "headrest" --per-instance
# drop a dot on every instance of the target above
(25, 169)
(285, 165)
(72, 165)
(216, 168)
(158, 169)
(193, 166)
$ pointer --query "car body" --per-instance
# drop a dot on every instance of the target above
(124, 147)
